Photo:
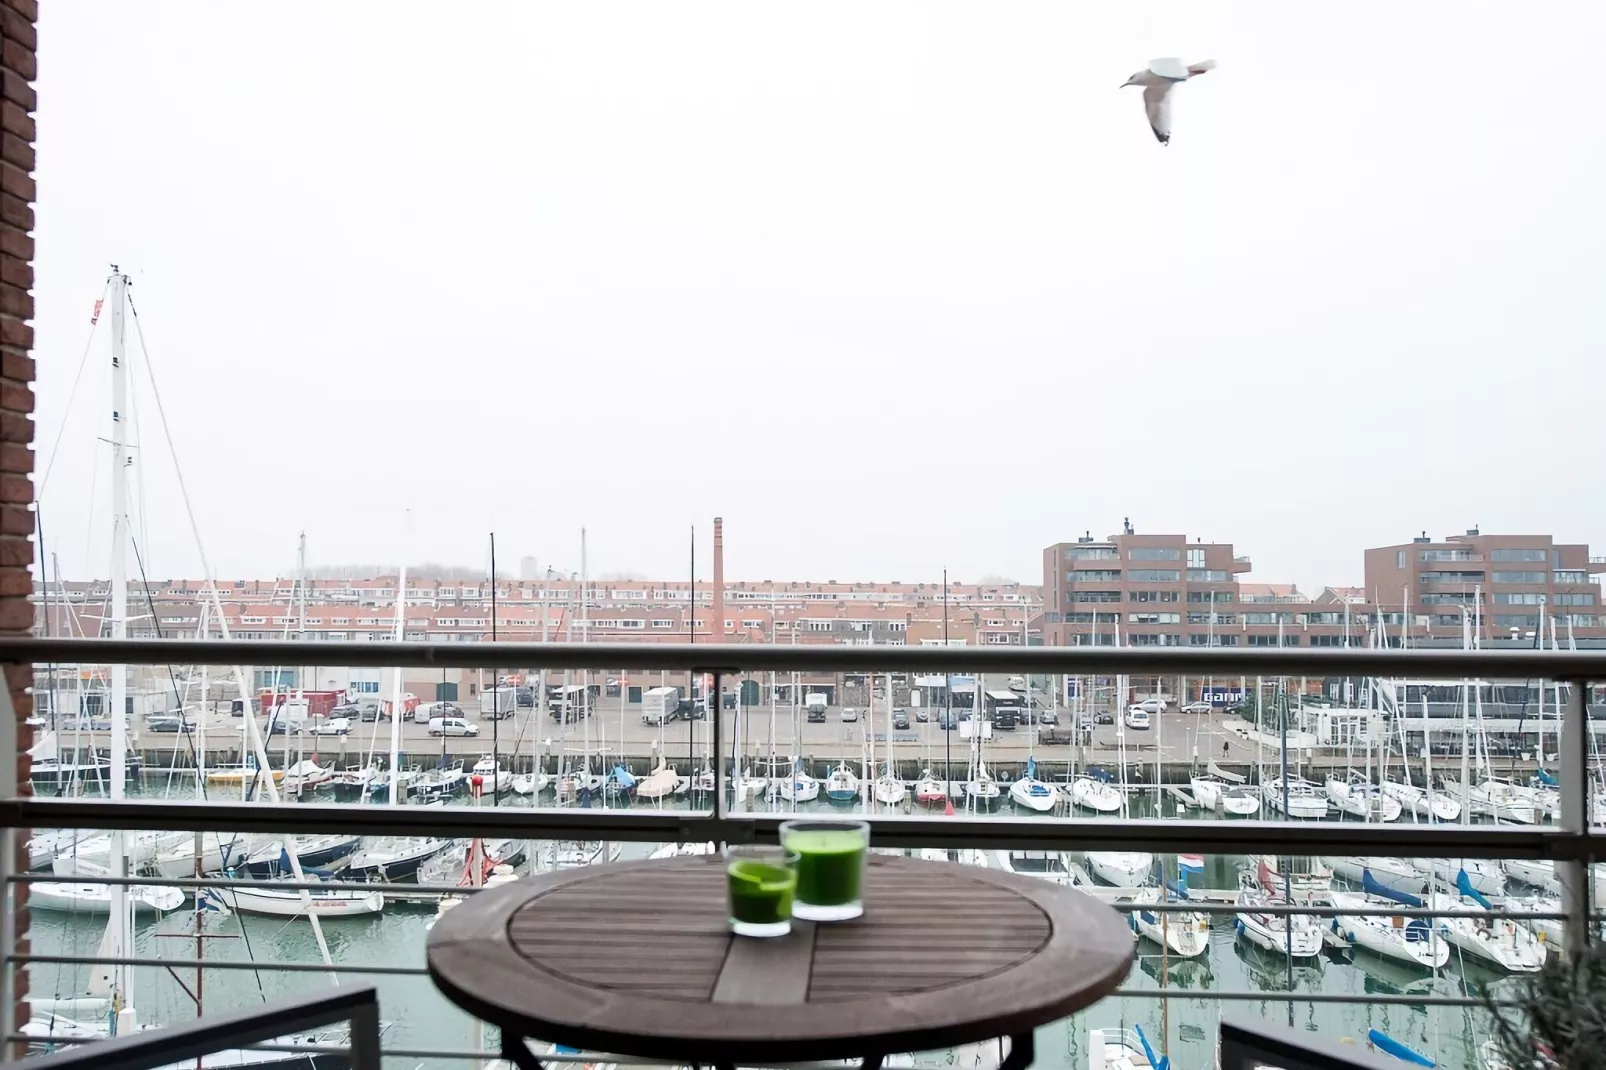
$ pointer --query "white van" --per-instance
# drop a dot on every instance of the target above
(452, 726)
(1137, 717)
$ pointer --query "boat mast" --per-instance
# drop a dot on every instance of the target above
(395, 689)
(123, 988)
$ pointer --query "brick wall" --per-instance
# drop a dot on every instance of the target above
(17, 44)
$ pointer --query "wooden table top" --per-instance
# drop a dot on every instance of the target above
(636, 959)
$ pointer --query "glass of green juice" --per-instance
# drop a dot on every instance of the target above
(830, 867)
(760, 880)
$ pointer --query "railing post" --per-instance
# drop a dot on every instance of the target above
(1573, 870)
(9, 893)
(715, 702)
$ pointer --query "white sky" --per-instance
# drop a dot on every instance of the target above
(891, 287)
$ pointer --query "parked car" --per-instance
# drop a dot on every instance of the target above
(817, 715)
(452, 726)
(1047, 717)
(1151, 705)
(1137, 717)
(923, 715)
(1197, 707)
(849, 714)
(164, 722)
(1105, 718)
(900, 719)
(347, 709)
(330, 726)
(372, 712)
(947, 721)
(525, 697)
(1086, 722)
(1056, 737)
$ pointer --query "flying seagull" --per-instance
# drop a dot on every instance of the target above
(1157, 80)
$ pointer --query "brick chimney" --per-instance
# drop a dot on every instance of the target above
(717, 624)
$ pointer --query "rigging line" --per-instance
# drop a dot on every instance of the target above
(167, 433)
(83, 362)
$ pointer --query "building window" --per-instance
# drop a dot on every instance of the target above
(1518, 555)
(1094, 575)
(1519, 577)
(1095, 596)
(1327, 640)
(632, 624)
(1571, 575)
(1153, 553)
(1579, 620)
(1196, 557)
(1153, 575)
(1154, 618)
(1091, 553)
(661, 624)
(1521, 598)
(1209, 596)
(1207, 575)
(1451, 555)
(1574, 600)
(1268, 618)
(1399, 560)
(1467, 577)
(1515, 620)
(1151, 596)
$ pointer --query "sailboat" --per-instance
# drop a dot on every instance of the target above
(1124, 869)
(489, 777)
(1398, 874)
(842, 786)
(929, 791)
(79, 893)
(351, 783)
(1185, 934)
(1298, 936)
(1498, 941)
(1234, 799)
(1095, 793)
(392, 858)
(1358, 797)
(1030, 792)
(799, 787)
(888, 789)
(1405, 939)
(1303, 799)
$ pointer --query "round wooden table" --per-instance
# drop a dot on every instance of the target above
(635, 959)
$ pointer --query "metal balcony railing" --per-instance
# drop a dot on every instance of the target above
(1570, 843)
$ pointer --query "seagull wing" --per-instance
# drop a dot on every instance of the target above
(1170, 68)
(1157, 102)
(1200, 67)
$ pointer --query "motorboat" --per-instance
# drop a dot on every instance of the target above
(392, 858)
(842, 786)
(1185, 933)
(488, 777)
(1423, 804)
(1396, 873)
(295, 903)
(1124, 869)
(1303, 799)
(1031, 793)
(406, 780)
(1298, 936)
(1394, 936)
(572, 854)
(1092, 793)
(439, 782)
(351, 783)
(656, 785)
(1358, 797)
(929, 791)
(1234, 800)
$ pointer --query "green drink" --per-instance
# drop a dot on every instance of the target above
(761, 881)
(830, 867)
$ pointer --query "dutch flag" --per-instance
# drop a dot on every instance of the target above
(1190, 863)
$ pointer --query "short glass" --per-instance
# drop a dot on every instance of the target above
(760, 880)
(830, 867)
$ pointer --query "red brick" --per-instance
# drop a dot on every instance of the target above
(15, 272)
(17, 150)
(16, 614)
(16, 397)
(15, 243)
(17, 27)
(20, 58)
(17, 553)
(15, 87)
(28, 9)
(18, 183)
(19, 677)
(15, 458)
(15, 427)
(16, 519)
(14, 332)
(17, 121)
(16, 365)
(15, 582)
(18, 489)
(16, 212)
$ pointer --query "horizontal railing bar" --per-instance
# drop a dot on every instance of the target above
(755, 657)
(657, 826)
(227, 883)
(212, 964)
(1306, 997)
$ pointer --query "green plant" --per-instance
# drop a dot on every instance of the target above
(1554, 1018)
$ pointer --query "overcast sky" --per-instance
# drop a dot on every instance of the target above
(891, 287)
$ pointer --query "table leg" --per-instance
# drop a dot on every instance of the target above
(1021, 1053)
(517, 1051)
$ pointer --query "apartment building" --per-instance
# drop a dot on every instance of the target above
(1502, 586)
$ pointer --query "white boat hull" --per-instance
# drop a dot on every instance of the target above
(1413, 941)
(1485, 876)
(1186, 935)
(1498, 942)
(529, 783)
(1362, 802)
(83, 897)
(890, 792)
(1266, 932)
(1095, 795)
(1124, 869)
(1437, 806)
(1032, 794)
(1230, 799)
(1303, 803)
(272, 902)
(1396, 873)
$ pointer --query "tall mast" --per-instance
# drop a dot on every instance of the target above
(118, 923)
(396, 686)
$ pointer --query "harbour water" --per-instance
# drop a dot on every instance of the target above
(418, 1018)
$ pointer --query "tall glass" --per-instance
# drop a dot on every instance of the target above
(760, 880)
(830, 867)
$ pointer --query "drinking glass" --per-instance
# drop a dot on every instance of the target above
(830, 867)
(760, 880)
